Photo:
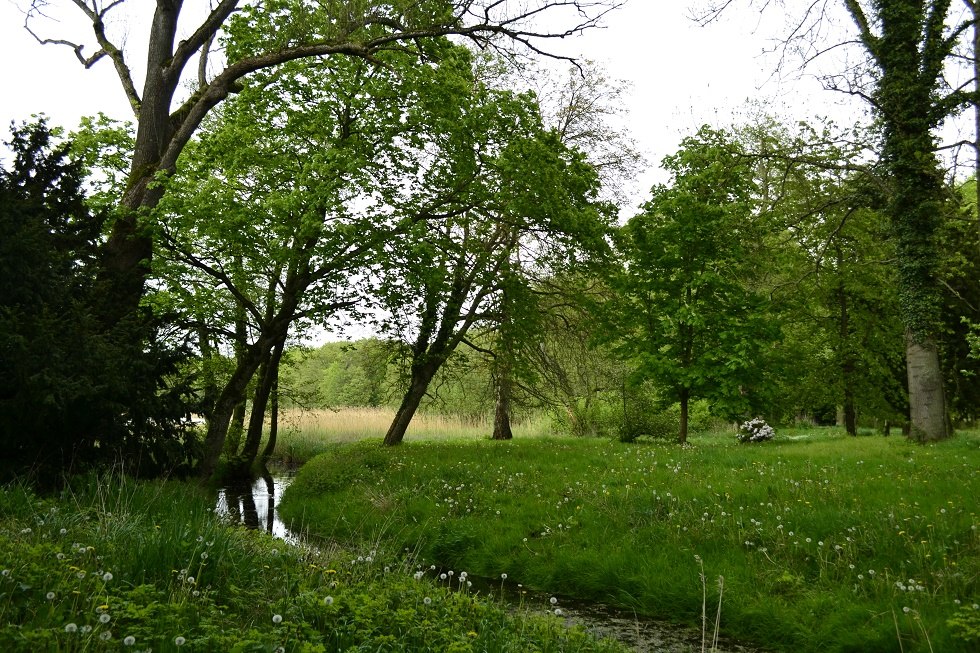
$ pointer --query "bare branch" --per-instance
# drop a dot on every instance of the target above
(203, 35)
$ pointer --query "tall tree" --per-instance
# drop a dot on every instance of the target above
(523, 196)
(66, 402)
(686, 311)
(265, 230)
(908, 43)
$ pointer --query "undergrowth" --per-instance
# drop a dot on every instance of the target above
(110, 564)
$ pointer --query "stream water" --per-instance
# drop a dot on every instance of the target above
(254, 506)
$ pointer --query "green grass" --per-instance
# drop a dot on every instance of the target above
(115, 565)
(825, 542)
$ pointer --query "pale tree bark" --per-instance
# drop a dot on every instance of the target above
(927, 400)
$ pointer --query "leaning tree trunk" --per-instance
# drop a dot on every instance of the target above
(260, 401)
(419, 384)
(270, 445)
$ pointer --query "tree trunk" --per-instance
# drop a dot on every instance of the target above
(270, 445)
(260, 401)
(847, 363)
(927, 403)
(501, 417)
(236, 427)
(231, 396)
(129, 248)
(421, 377)
(684, 399)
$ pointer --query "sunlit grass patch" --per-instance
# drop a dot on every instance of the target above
(829, 543)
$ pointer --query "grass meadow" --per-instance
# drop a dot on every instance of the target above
(812, 542)
(112, 565)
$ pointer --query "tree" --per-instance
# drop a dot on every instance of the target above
(261, 36)
(584, 109)
(267, 230)
(829, 272)
(519, 193)
(65, 400)
(686, 312)
(908, 44)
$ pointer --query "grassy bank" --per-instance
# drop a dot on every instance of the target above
(112, 565)
(824, 542)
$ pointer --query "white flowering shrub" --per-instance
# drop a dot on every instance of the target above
(755, 430)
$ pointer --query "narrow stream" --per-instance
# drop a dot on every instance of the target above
(254, 506)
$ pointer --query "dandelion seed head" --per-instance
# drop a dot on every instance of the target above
(277, 618)
(71, 628)
(105, 635)
(129, 640)
(328, 600)
(104, 618)
(179, 641)
(427, 601)
(107, 576)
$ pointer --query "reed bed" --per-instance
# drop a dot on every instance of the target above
(306, 433)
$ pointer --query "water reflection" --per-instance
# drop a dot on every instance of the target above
(254, 504)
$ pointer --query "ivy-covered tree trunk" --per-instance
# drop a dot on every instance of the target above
(908, 41)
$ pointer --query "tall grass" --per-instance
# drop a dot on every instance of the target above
(113, 565)
(304, 434)
(825, 542)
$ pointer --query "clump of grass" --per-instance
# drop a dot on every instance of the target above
(820, 538)
(112, 565)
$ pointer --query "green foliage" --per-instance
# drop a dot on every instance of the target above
(844, 531)
(72, 393)
(111, 563)
(687, 314)
(965, 624)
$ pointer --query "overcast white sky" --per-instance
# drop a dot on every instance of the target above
(680, 75)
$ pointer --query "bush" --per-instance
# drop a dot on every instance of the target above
(755, 430)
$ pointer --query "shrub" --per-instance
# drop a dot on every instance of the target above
(755, 430)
